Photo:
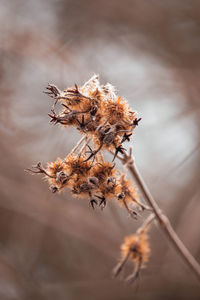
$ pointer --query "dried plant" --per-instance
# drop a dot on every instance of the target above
(136, 248)
(106, 122)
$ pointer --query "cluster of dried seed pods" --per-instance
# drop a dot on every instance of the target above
(106, 122)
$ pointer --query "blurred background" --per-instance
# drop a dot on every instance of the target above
(56, 247)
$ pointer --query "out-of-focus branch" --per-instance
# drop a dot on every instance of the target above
(161, 217)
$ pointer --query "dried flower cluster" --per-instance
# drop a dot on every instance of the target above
(96, 111)
(106, 121)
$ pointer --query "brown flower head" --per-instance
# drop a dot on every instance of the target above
(136, 249)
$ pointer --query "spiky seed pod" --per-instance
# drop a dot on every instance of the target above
(117, 109)
(103, 171)
(58, 177)
(76, 165)
(136, 249)
(128, 191)
(83, 188)
(54, 167)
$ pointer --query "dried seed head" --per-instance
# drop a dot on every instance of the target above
(83, 188)
(135, 248)
(76, 164)
(54, 167)
(103, 171)
(128, 190)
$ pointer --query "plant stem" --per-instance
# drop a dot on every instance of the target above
(146, 224)
(78, 144)
(162, 219)
(120, 265)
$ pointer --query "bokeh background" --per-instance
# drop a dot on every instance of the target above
(56, 247)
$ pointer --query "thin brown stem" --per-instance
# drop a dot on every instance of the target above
(120, 265)
(85, 145)
(131, 213)
(146, 224)
(143, 206)
(78, 144)
(163, 220)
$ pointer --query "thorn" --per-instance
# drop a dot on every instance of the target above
(102, 204)
(126, 137)
(93, 202)
(136, 121)
(93, 152)
(119, 149)
(76, 86)
(131, 278)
